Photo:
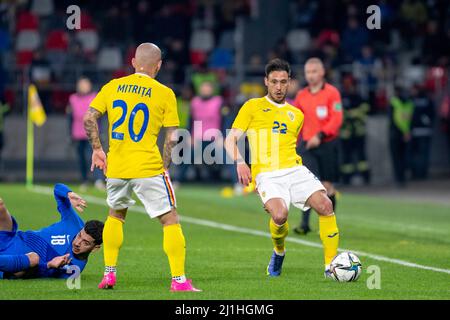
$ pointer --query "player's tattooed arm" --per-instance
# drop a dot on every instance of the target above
(91, 127)
(169, 142)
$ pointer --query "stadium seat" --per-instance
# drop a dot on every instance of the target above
(198, 57)
(28, 40)
(10, 96)
(131, 50)
(5, 40)
(221, 58)
(59, 100)
(57, 40)
(42, 8)
(109, 59)
(298, 40)
(41, 74)
(57, 60)
(88, 39)
(27, 21)
(24, 58)
(86, 22)
(227, 40)
(202, 40)
(119, 73)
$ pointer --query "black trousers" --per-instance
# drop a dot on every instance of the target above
(399, 159)
(420, 156)
(354, 158)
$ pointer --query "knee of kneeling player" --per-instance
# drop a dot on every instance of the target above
(325, 207)
(34, 259)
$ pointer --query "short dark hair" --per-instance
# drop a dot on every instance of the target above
(94, 228)
(278, 65)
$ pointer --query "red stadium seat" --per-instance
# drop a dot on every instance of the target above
(129, 55)
(59, 100)
(24, 58)
(27, 21)
(57, 40)
(119, 73)
(198, 57)
(10, 97)
(86, 22)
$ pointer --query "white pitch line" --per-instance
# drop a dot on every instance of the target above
(227, 227)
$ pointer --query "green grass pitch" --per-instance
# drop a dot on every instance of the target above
(228, 264)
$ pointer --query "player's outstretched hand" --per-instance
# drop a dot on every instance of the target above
(58, 262)
(244, 174)
(77, 202)
(99, 160)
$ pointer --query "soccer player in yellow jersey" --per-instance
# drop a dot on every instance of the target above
(272, 127)
(137, 107)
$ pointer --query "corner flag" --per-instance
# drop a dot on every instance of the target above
(35, 115)
(36, 111)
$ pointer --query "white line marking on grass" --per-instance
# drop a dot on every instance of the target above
(227, 227)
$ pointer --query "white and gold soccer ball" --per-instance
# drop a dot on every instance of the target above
(346, 267)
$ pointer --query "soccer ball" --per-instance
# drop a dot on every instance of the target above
(345, 267)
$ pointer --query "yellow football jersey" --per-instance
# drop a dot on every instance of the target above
(272, 130)
(137, 107)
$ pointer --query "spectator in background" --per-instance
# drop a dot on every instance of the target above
(177, 59)
(434, 43)
(401, 112)
(367, 69)
(206, 118)
(78, 105)
(353, 134)
(413, 12)
(354, 38)
(201, 75)
(421, 132)
(303, 13)
(41, 76)
(142, 25)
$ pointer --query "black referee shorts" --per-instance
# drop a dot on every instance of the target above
(323, 161)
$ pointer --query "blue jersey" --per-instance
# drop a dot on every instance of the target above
(52, 241)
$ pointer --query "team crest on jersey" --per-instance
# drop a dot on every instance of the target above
(291, 115)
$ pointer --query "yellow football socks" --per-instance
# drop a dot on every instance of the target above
(279, 233)
(329, 234)
(112, 241)
(175, 247)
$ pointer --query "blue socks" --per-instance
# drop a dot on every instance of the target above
(14, 263)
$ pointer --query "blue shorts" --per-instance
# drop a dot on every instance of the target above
(7, 237)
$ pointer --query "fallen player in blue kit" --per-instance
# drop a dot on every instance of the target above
(48, 252)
